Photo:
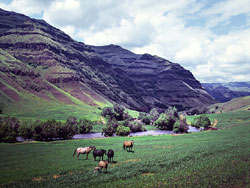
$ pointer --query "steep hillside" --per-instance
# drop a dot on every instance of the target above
(157, 82)
(224, 92)
(43, 68)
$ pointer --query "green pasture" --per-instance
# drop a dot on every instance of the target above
(206, 159)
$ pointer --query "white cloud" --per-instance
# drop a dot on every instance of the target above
(180, 31)
(222, 11)
(28, 7)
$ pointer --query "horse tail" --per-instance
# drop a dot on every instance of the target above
(74, 152)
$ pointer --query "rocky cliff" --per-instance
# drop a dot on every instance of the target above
(43, 64)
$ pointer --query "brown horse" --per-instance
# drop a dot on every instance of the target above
(128, 144)
(101, 165)
(85, 150)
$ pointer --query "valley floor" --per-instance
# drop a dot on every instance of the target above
(205, 159)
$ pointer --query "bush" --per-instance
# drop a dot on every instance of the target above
(108, 130)
(85, 126)
(165, 122)
(108, 111)
(202, 121)
(135, 126)
(172, 111)
(181, 126)
(122, 131)
(117, 112)
(154, 114)
(26, 130)
(45, 130)
(66, 130)
(8, 129)
(145, 118)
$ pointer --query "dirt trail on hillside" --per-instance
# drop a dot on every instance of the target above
(215, 123)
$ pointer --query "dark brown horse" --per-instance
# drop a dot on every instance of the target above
(85, 150)
(99, 152)
(110, 155)
(128, 144)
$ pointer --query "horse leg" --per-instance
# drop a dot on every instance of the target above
(78, 154)
(87, 156)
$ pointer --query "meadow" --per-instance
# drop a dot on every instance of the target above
(205, 159)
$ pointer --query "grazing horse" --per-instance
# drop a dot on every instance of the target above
(85, 150)
(99, 153)
(101, 165)
(110, 155)
(128, 144)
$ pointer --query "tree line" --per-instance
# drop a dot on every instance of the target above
(11, 128)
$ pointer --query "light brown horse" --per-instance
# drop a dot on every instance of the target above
(85, 150)
(128, 144)
(101, 165)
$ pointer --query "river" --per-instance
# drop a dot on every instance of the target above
(145, 133)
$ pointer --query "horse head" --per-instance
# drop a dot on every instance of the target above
(92, 147)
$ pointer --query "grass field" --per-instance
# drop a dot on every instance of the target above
(206, 159)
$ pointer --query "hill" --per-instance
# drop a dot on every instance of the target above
(44, 73)
(241, 103)
(224, 92)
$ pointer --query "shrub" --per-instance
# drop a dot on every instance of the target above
(108, 130)
(154, 114)
(85, 126)
(26, 130)
(172, 111)
(119, 112)
(145, 118)
(8, 129)
(108, 111)
(66, 130)
(201, 121)
(135, 126)
(122, 131)
(165, 122)
(45, 130)
(181, 126)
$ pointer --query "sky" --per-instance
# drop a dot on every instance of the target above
(211, 38)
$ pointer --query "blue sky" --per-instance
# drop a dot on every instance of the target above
(211, 38)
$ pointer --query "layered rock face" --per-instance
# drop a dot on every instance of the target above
(156, 82)
(39, 61)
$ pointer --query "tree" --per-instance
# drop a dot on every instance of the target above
(202, 121)
(154, 114)
(165, 122)
(122, 131)
(172, 111)
(181, 126)
(85, 126)
(8, 129)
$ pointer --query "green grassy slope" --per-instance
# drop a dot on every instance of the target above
(241, 103)
(206, 159)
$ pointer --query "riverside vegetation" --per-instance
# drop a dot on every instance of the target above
(205, 159)
(119, 122)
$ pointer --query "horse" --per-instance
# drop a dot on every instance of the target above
(101, 165)
(99, 153)
(128, 144)
(85, 150)
(110, 155)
